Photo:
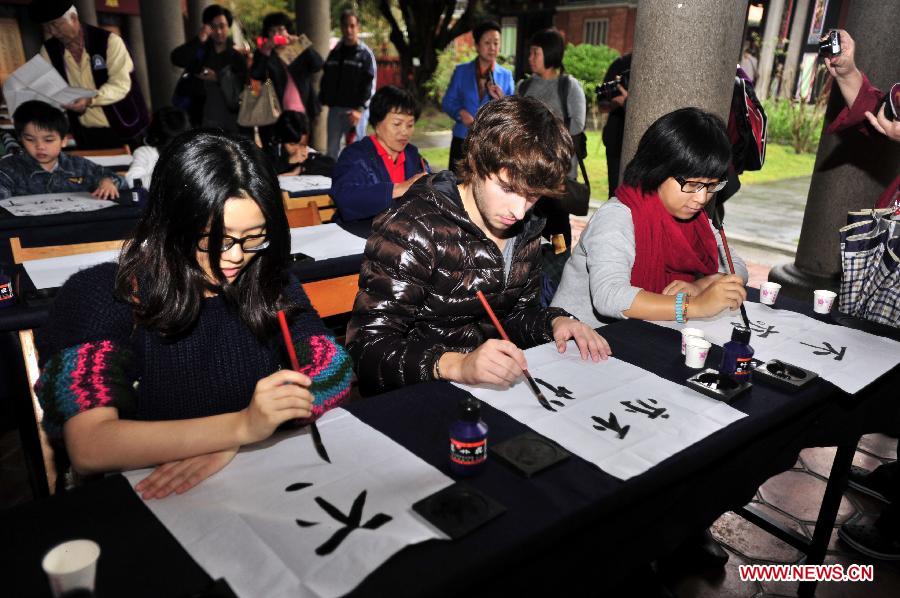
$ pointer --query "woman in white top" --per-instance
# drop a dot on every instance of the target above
(167, 123)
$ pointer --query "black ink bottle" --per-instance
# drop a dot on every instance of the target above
(468, 439)
(737, 355)
(7, 297)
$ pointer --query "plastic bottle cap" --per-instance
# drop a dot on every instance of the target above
(469, 409)
(741, 335)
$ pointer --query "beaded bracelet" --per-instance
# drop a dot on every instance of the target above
(679, 308)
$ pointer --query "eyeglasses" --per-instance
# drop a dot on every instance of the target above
(249, 244)
(698, 186)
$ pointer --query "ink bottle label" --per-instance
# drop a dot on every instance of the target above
(468, 453)
(7, 298)
(742, 368)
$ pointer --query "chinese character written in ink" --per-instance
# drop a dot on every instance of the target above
(648, 410)
(559, 391)
(827, 349)
(611, 424)
(351, 522)
(761, 329)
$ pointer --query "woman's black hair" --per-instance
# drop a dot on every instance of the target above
(554, 47)
(392, 99)
(688, 142)
(214, 10)
(159, 274)
(276, 19)
(167, 123)
(483, 27)
(291, 126)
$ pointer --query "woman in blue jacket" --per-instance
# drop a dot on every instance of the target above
(378, 169)
(474, 84)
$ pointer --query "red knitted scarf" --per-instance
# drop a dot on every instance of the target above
(666, 248)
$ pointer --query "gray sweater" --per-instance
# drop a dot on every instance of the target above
(547, 91)
(596, 281)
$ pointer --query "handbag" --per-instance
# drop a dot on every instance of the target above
(259, 110)
(870, 284)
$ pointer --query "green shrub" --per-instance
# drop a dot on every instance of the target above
(448, 58)
(588, 63)
(795, 123)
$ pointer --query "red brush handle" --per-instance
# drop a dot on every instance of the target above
(288, 344)
(493, 316)
(727, 250)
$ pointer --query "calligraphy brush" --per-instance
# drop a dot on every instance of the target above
(295, 365)
(717, 221)
(534, 387)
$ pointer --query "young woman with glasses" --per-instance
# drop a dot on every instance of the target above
(173, 357)
(650, 252)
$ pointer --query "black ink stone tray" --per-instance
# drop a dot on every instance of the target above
(783, 375)
(458, 509)
(716, 386)
(529, 453)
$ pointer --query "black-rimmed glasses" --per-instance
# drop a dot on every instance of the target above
(249, 244)
(698, 186)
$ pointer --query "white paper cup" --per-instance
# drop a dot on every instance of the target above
(71, 566)
(686, 332)
(695, 352)
(768, 292)
(823, 300)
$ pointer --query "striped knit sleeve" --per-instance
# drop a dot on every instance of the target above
(82, 377)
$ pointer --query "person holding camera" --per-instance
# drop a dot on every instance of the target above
(214, 73)
(613, 98)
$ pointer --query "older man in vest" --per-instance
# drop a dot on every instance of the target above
(93, 58)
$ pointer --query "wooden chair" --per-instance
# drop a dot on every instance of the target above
(113, 151)
(333, 296)
(50, 459)
(305, 216)
(324, 203)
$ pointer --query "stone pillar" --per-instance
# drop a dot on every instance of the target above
(796, 42)
(675, 66)
(139, 55)
(87, 11)
(195, 16)
(314, 19)
(851, 170)
(161, 23)
(769, 43)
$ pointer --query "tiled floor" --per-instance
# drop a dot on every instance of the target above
(794, 497)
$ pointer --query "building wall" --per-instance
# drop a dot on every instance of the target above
(620, 31)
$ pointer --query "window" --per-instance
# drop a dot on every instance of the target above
(508, 38)
(595, 31)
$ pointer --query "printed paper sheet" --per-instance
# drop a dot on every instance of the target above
(52, 272)
(616, 415)
(53, 203)
(325, 241)
(38, 80)
(848, 358)
(304, 182)
(274, 522)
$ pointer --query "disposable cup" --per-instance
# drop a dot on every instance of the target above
(768, 292)
(823, 300)
(72, 566)
(686, 332)
(695, 352)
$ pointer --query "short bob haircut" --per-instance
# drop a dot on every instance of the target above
(291, 126)
(518, 135)
(42, 115)
(167, 124)
(276, 19)
(551, 42)
(688, 142)
(159, 275)
(483, 27)
(214, 10)
(392, 99)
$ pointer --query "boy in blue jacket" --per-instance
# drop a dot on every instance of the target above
(43, 167)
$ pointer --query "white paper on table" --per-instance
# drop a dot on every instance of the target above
(54, 203)
(848, 358)
(112, 161)
(324, 241)
(241, 523)
(600, 389)
(38, 80)
(52, 272)
(304, 182)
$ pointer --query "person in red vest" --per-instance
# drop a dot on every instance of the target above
(93, 58)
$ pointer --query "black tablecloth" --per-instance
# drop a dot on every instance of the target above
(572, 528)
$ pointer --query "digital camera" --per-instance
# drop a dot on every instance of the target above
(609, 90)
(830, 45)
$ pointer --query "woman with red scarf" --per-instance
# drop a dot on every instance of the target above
(651, 252)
